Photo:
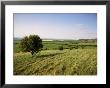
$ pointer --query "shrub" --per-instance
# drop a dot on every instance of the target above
(60, 47)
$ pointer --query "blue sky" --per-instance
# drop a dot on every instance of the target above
(56, 25)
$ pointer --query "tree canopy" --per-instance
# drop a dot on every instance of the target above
(32, 44)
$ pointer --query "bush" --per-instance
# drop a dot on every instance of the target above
(76, 47)
(82, 47)
(71, 48)
(60, 47)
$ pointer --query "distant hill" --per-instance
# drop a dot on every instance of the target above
(88, 40)
(50, 39)
(15, 39)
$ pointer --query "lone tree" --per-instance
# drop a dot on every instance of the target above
(32, 44)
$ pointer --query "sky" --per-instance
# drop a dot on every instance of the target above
(56, 25)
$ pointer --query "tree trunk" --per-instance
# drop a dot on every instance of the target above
(32, 53)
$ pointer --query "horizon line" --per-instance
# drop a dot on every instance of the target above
(58, 38)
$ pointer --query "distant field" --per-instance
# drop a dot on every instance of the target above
(76, 58)
(54, 45)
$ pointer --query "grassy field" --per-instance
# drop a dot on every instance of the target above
(76, 58)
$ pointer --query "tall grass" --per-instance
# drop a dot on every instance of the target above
(57, 62)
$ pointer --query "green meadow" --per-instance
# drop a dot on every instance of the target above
(77, 57)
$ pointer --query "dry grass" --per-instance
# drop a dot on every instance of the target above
(56, 62)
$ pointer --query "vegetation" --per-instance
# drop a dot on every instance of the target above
(31, 44)
(68, 57)
(60, 47)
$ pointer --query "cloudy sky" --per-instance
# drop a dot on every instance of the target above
(56, 25)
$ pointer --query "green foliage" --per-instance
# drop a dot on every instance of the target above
(71, 48)
(76, 47)
(32, 44)
(60, 47)
(16, 47)
(54, 45)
